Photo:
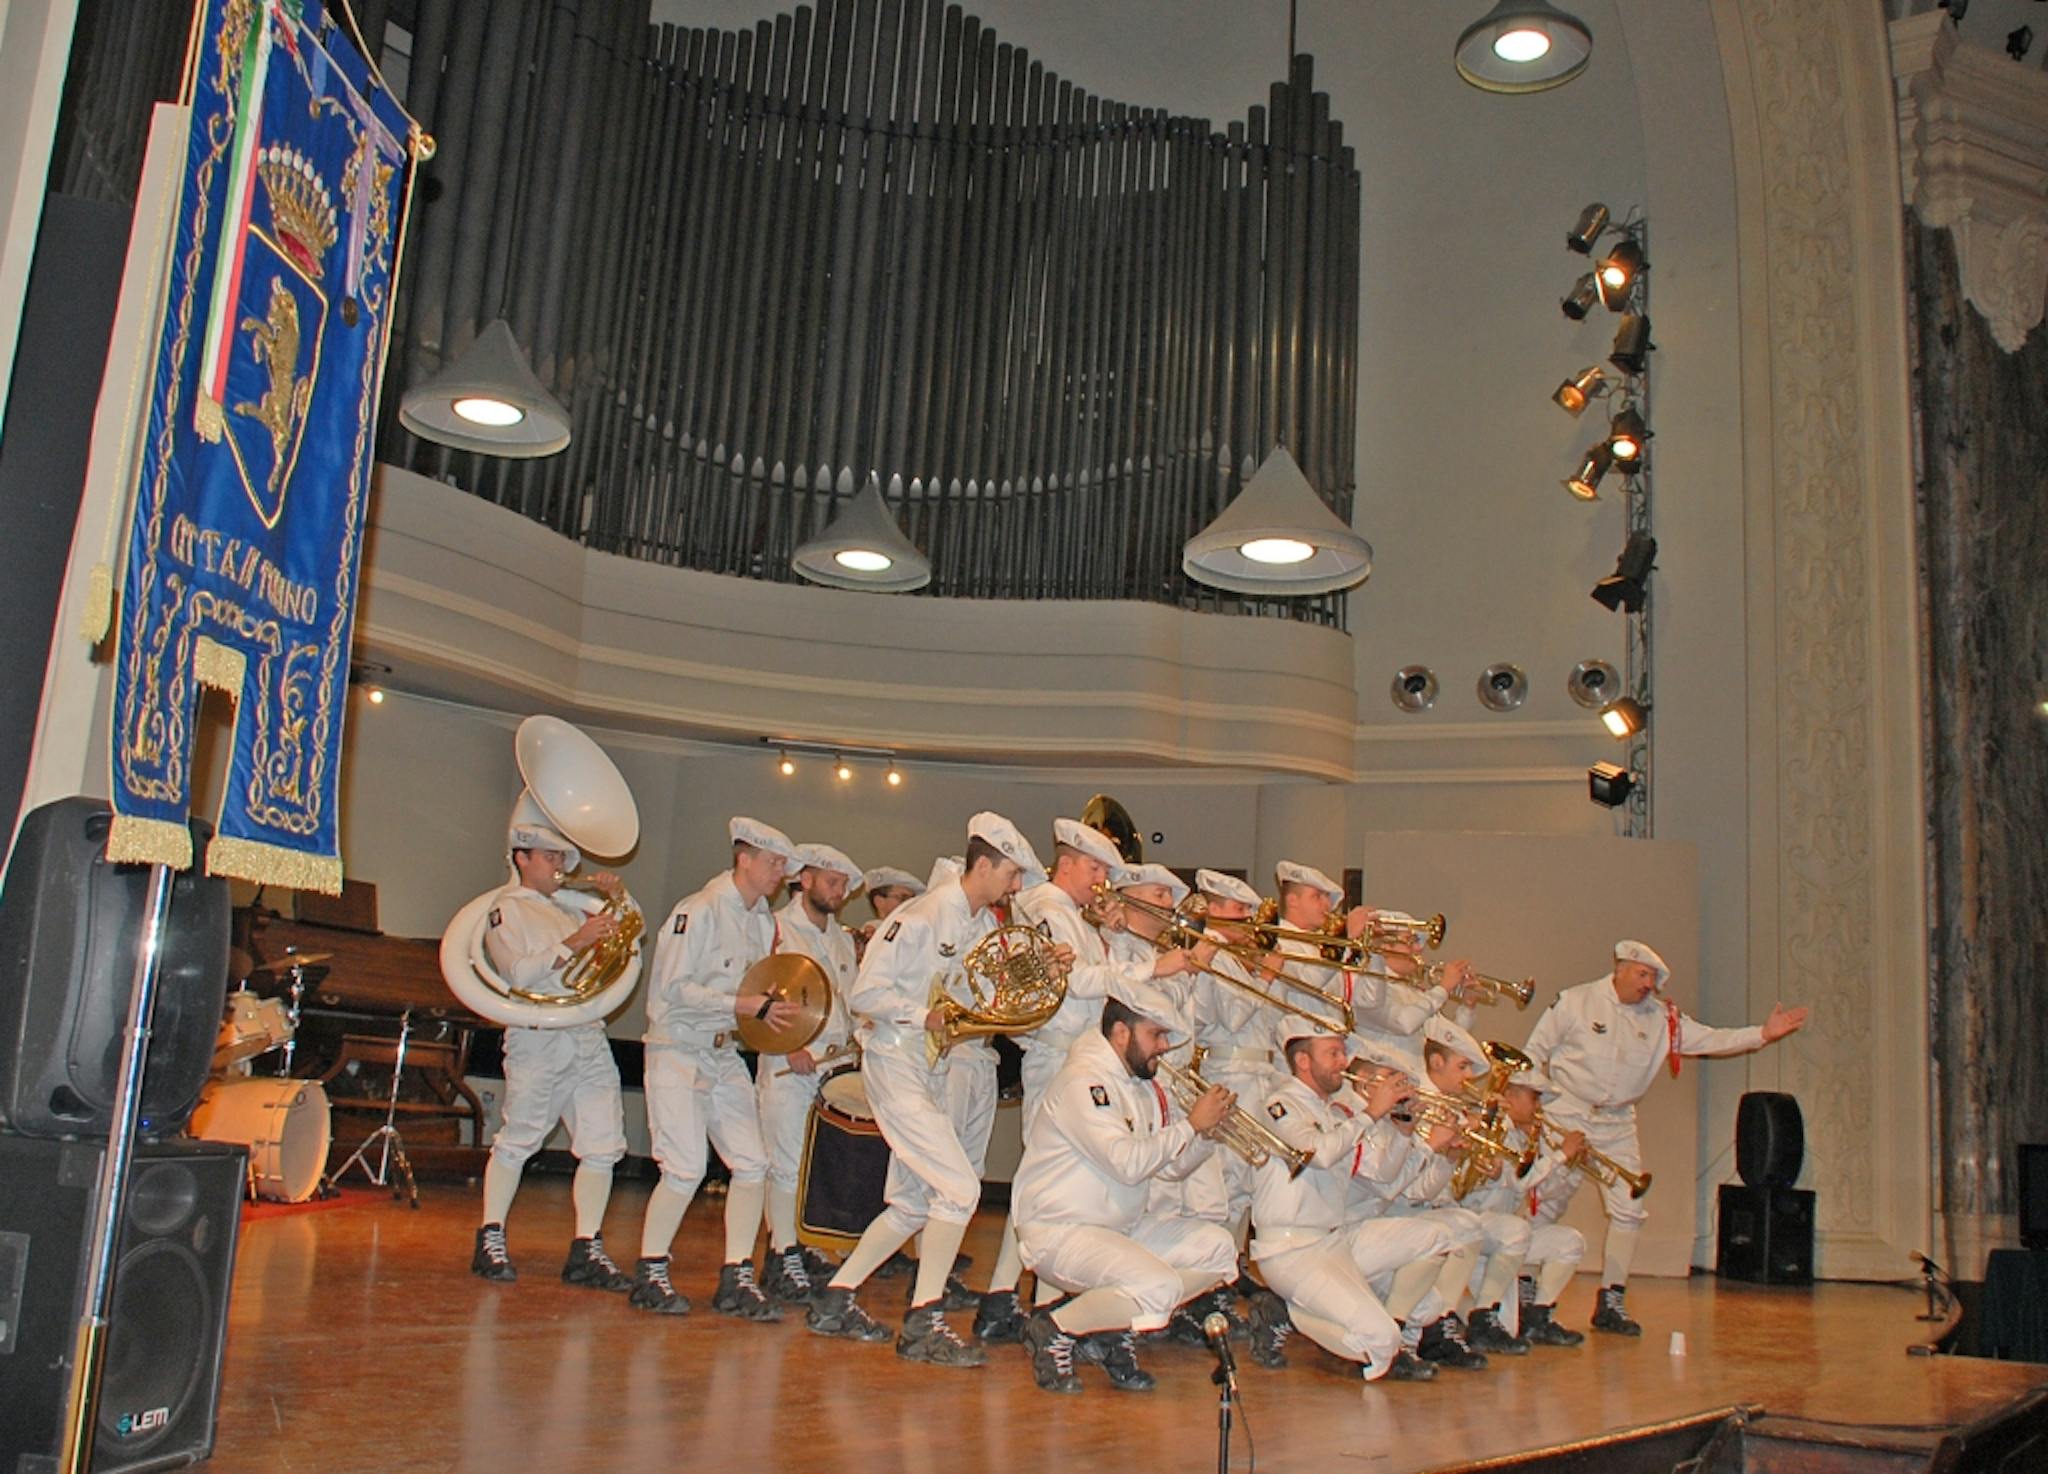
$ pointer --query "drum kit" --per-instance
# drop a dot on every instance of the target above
(286, 1123)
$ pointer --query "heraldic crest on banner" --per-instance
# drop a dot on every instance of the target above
(254, 473)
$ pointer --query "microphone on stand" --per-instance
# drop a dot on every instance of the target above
(1216, 1329)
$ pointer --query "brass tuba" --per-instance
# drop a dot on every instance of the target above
(1017, 985)
(576, 789)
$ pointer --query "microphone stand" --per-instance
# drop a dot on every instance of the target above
(1226, 1385)
(1940, 1301)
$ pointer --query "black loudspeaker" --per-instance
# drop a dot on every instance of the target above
(2034, 1194)
(1766, 1235)
(69, 924)
(1770, 1139)
(160, 1387)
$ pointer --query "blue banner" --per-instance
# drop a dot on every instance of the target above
(255, 465)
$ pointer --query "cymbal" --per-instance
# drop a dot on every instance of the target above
(289, 961)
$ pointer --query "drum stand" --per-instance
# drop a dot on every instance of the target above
(390, 1145)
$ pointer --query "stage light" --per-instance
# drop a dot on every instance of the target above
(843, 772)
(1277, 538)
(1626, 587)
(1575, 393)
(1618, 273)
(376, 696)
(1585, 482)
(1626, 436)
(1413, 689)
(786, 767)
(1632, 345)
(1609, 784)
(1591, 223)
(1581, 298)
(488, 400)
(893, 777)
(1523, 46)
(1591, 683)
(863, 548)
(1624, 717)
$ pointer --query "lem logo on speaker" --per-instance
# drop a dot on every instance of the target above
(133, 1423)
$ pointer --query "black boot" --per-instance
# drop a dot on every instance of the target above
(1408, 1367)
(590, 1268)
(1271, 1325)
(1220, 1301)
(653, 1291)
(1611, 1315)
(998, 1318)
(1052, 1353)
(955, 1296)
(786, 1277)
(491, 1260)
(1443, 1344)
(1488, 1334)
(1120, 1361)
(738, 1296)
(896, 1264)
(928, 1337)
(1539, 1329)
(817, 1266)
(1525, 1290)
(1185, 1327)
(834, 1313)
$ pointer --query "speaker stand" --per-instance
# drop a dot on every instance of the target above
(389, 1144)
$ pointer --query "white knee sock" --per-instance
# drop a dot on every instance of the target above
(1411, 1283)
(1096, 1310)
(1501, 1269)
(1455, 1274)
(781, 1217)
(501, 1185)
(743, 1202)
(1552, 1278)
(590, 1191)
(1009, 1264)
(665, 1210)
(1621, 1252)
(883, 1237)
(935, 1259)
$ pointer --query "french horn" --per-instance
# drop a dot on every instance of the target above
(579, 792)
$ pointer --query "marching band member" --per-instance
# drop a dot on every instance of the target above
(697, 1084)
(1103, 1131)
(1555, 1249)
(785, 1088)
(1325, 1266)
(1602, 1044)
(933, 1184)
(551, 1075)
(1238, 1032)
(1083, 858)
(886, 888)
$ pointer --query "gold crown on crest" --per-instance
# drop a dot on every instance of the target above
(301, 209)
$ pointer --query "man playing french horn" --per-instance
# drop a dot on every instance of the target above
(1105, 1128)
(551, 1075)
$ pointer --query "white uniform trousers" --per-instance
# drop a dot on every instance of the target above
(565, 1075)
(1329, 1286)
(930, 1173)
(1613, 1132)
(1463, 1225)
(1145, 1264)
(784, 1103)
(693, 1094)
(971, 1100)
(1203, 1195)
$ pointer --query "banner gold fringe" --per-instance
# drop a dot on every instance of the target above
(219, 666)
(269, 864)
(133, 841)
(98, 616)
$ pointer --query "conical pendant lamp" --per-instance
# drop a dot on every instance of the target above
(863, 548)
(1523, 46)
(488, 400)
(1278, 539)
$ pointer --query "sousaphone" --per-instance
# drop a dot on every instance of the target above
(576, 790)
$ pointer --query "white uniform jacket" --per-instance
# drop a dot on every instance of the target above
(832, 949)
(1348, 1146)
(1094, 973)
(925, 941)
(1098, 1140)
(524, 938)
(1606, 1054)
(1241, 1034)
(703, 950)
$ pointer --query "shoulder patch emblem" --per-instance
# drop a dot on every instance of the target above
(890, 934)
(497, 917)
(1599, 1028)
(947, 949)
(1277, 1111)
(1100, 1095)
(682, 923)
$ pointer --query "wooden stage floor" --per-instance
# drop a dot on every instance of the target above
(359, 1341)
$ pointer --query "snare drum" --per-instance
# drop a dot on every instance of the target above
(254, 1026)
(286, 1124)
(842, 1183)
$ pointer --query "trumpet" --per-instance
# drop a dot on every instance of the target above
(1596, 1164)
(1241, 1131)
(1181, 926)
(1486, 1138)
(1431, 975)
(1389, 929)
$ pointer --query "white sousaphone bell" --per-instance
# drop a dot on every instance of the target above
(575, 790)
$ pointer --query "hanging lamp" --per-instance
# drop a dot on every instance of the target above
(1278, 538)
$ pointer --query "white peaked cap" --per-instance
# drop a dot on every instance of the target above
(1290, 872)
(763, 837)
(888, 877)
(531, 829)
(824, 857)
(1458, 1038)
(1533, 1079)
(1297, 1027)
(945, 868)
(1225, 887)
(1091, 842)
(992, 828)
(1153, 1001)
(1150, 874)
(1640, 952)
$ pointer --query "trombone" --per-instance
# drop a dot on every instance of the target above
(1239, 1130)
(1389, 929)
(1181, 926)
(1596, 1164)
(1430, 975)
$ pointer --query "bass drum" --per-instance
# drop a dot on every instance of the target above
(844, 1177)
(286, 1124)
